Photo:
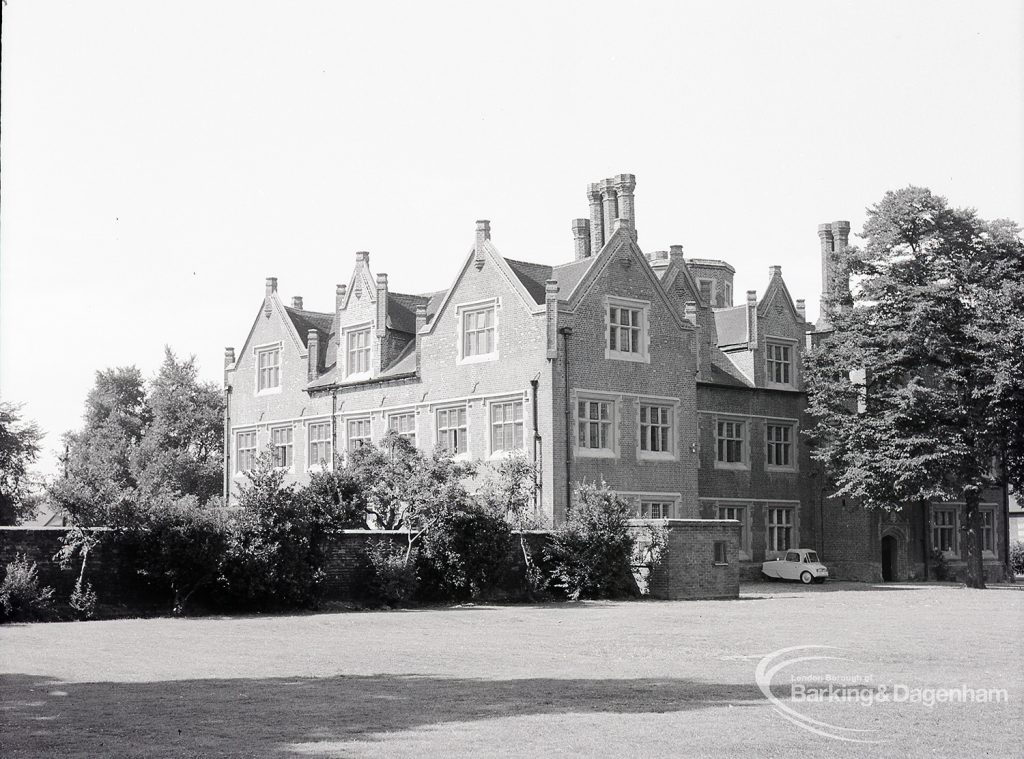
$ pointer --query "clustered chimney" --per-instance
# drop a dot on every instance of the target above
(834, 239)
(659, 260)
(611, 207)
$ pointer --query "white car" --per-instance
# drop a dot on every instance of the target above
(799, 564)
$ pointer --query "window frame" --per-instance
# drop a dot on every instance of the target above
(349, 437)
(491, 405)
(238, 449)
(744, 520)
(744, 426)
(710, 297)
(463, 310)
(672, 407)
(289, 466)
(347, 333)
(720, 553)
(953, 526)
(613, 427)
(771, 526)
(643, 356)
(258, 352)
(791, 429)
(464, 427)
(991, 529)
(313, 464)
(410, 436)
(647, 505)
(790, 363)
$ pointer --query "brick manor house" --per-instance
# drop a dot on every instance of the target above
(638, 369)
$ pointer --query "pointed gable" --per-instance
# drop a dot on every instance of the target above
(777, 297)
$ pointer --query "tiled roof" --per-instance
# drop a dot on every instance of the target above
(402, 310)
(731, 324)
(304, 321)
(534, 276)
(724, 372)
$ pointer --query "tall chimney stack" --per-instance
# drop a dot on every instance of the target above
(581, 238)
(624, 186)
(339, 296)
(609, 200)
(597, 230)
(297, 302)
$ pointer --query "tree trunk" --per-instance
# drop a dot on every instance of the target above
(972, 523)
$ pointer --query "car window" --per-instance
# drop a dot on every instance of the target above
(792, 556)
(811, 557)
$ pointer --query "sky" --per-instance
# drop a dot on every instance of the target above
(159, 160)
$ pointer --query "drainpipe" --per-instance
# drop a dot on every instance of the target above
(334, 426)
(536, 450)
(227, 445)
(566, 333)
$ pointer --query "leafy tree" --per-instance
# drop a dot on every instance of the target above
(19, 447)
(181, 449)
(918, 389)
(509, 492)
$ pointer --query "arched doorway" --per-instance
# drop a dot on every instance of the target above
(890, 546)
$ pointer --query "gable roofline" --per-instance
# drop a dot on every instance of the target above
(676, 270)
(362, 265)
(493, 257)
(777, 289)
(277, 307)
(622, 241)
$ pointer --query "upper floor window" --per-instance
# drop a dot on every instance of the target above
(780, 364)
(451, 429)
(245, 451)
(728, 295)
(404, 424)
(779, 453)
(944, 529)
(268, 368)
(780, 529)
(627, 330)
(595, 420)
(358, 433)
(655, 429)
(506, 426)
(281, 438)
(730, 443)
(357, 351)
(319, 434)
(479, 327)
(707, 290)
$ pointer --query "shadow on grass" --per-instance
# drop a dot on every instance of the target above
(781, 586)
(263, 717)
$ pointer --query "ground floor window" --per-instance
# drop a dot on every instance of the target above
(245, 451)
(944, 529)
(988, 535)
(281, 437)
(319, 444)
(780, 529)
(405, 425)
(739, 513)
(506, 426)
(358, 433)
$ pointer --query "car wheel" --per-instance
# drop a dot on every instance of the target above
(805, 578)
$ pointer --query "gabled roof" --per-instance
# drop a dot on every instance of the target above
(731, 324)
(304, 321)
(402, 309)
(535, 276)
(676, 271)
(778, 292)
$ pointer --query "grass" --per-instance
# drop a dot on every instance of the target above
(600, 679)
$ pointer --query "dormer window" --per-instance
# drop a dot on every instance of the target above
(780, 364)
(268, 369)
(357, 351)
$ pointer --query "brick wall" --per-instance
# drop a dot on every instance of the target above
(688, 569)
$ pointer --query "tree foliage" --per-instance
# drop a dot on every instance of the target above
(918, 389)
(19, 448)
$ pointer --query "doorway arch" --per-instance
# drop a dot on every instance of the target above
(890, 558)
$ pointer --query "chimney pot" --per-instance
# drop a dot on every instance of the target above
(339, 296)
(297, 302)
(676, 251)
(774, 270)
(363, 256)
(229, 356)
(551, 287)
(483, 230)
(382, 281)
(801, 308)
(271, 285)
(751, 297)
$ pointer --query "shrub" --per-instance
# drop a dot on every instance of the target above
(464, 552)
(21, 598)
(393, 573)
(269, 561)
(591, 552)
(1017, 557)
(83, 600)
(940, 569)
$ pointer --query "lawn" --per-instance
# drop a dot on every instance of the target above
(592, 679)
